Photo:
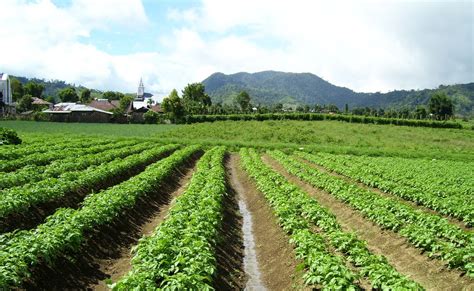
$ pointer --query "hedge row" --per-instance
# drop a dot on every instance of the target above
(319, 116)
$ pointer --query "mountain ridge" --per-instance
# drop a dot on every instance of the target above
(271, 87)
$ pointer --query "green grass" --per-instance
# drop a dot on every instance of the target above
(326, 136)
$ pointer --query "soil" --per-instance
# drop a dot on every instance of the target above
(230, 247)
(275, 256)
(37, 214)
(408, 260)
(412, 204)
(106, 252)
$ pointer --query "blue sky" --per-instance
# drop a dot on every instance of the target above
(364, 45)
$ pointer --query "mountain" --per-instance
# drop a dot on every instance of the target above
(271, 87)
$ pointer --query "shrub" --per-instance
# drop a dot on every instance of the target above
(8, 136)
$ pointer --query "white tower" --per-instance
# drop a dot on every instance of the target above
(141, 91)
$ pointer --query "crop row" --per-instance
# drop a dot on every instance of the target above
(443, 186)
(43, 158)
(10, 152)
(19, 199)
(431, 233)
(298, 214)
(90, 156)
(180, 254)
(64, 231)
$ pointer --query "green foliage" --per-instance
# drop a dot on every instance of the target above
(111, 95)
(17, 89)
(34, 89)
(441, 106)
(8, 136)
(269, 88)
(180, 254)
(243, 99)
(429, 232)
(173, 106)
(68, 95)
(85, 96)
(151, 117)
(66, 229)
(25, 103)
(298, 214)
(195, 99)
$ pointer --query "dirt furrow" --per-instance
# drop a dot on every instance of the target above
(408, 260)
(106, 252)
(412, 204)
(230, 247)
(275, 256)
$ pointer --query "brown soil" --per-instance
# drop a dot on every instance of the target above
(37, 214)
(408, 260)
(230, 247)
(412, 204)
(275, 256)
(106, 252)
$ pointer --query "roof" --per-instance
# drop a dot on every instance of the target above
(39, 101)
(73, 107)
(104, 104)
(156, 108)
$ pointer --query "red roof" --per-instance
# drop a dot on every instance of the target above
(156, 108)
(105, 104)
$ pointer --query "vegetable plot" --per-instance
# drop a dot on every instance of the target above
(298, 214)
(444, 186)
(431, 233)
(180, 254)
(64, 231)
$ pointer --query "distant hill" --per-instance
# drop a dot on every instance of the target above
(271, 87)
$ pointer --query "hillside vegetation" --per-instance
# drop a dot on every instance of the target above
(271, 87)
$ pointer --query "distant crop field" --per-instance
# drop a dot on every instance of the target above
(274, 204)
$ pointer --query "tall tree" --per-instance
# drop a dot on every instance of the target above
(25, 103)
(243, 99)
(34, 89)
(441, 106)
(17, 89)
(68, 95)
(85, 96)
(111, 95)
(195, 99)
(173, 106)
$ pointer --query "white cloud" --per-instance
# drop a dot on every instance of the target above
(366, 46)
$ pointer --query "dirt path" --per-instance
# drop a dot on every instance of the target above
(275, 256)
(412, 204)
(230, 248)
(431, 274)
(106, 252)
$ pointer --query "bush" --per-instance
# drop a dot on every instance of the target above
(8, 136)
(151, 117)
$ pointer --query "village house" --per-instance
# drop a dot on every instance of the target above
(72, 112)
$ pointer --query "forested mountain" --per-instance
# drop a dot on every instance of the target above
(270, 87)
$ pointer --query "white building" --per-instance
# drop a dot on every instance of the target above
(5, 94)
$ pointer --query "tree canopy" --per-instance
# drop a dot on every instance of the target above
(441, 106)
(68, 95)
(173, 106)
(243, 99)
(34, 89)
(195, 99)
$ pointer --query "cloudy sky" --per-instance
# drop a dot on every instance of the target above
(364, 45)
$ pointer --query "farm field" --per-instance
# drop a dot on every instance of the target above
(234, 205)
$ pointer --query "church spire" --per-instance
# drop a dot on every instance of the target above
(141, 90)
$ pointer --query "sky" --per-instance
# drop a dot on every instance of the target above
(367, 46)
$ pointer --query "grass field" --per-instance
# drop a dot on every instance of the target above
(326, 136)
(228, 205)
